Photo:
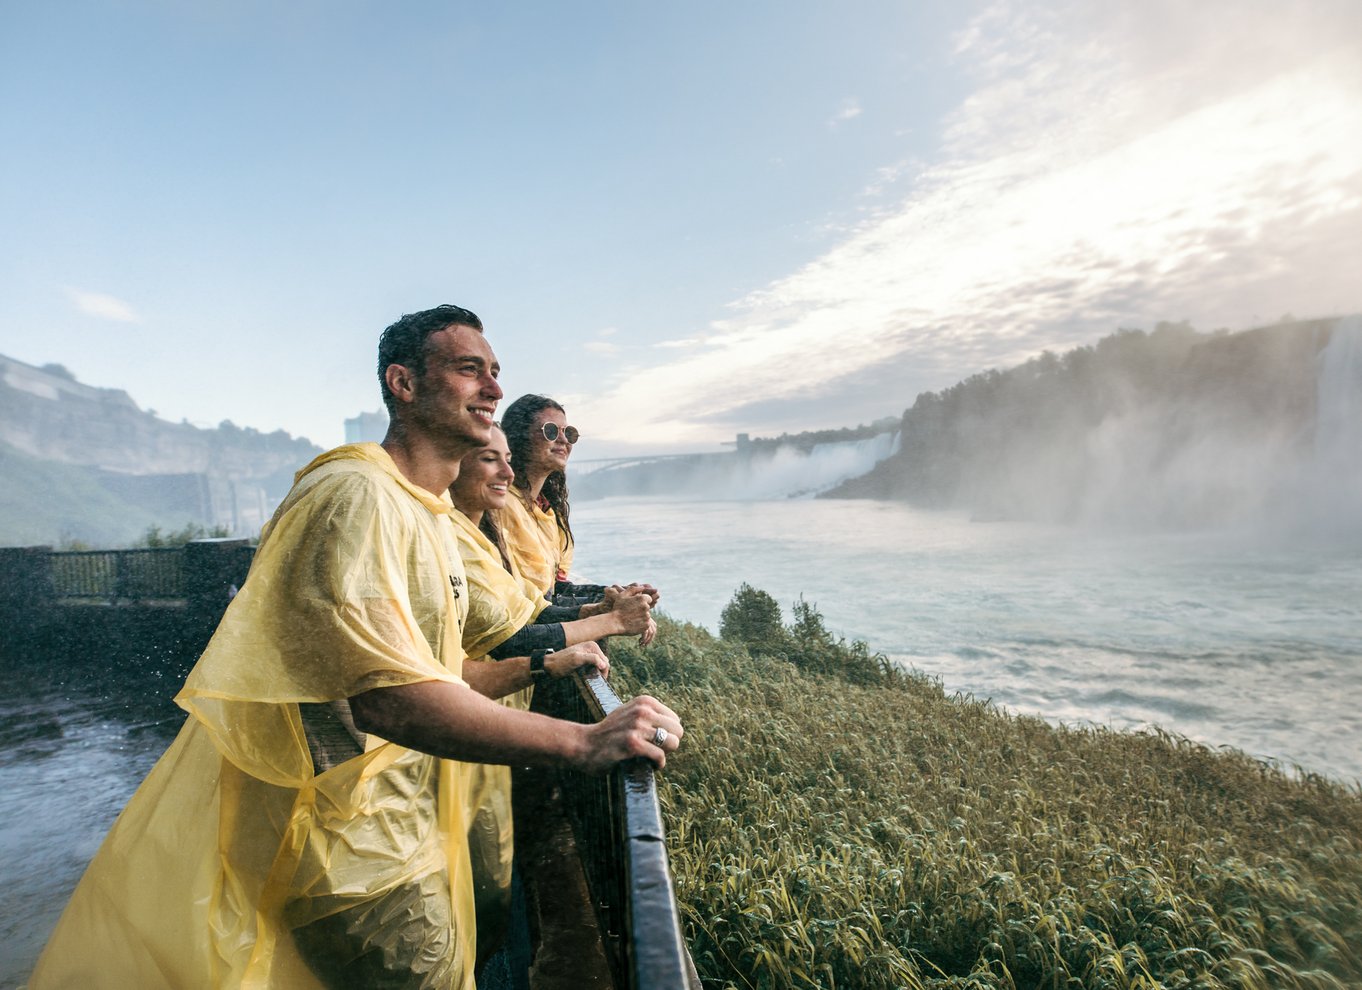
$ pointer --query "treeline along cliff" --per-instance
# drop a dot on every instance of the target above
(1172, 427)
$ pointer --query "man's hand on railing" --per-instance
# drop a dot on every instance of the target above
(562, 663)
(642, 727)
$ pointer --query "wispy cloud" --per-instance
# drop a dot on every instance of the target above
(849, 109)
(102, 306)
(601, 347)
(1106, 170)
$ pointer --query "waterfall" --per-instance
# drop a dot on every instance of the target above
(1336, 482)
(791, 472)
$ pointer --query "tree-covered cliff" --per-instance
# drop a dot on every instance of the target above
(1172, 427)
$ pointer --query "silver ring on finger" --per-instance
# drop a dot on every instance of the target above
(660, 736)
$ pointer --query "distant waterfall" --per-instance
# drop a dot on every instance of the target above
(790, 472)
(1337, 481)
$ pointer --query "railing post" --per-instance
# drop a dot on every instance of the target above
(26, 596)
(25, 577)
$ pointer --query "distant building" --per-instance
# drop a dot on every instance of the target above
(367, 427)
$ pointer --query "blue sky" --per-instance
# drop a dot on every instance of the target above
(685, 221)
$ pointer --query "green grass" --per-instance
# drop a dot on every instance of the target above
(834, 822)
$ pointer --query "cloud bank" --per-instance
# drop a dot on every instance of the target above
(1108, 169)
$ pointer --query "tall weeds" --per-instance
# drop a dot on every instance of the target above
(837, 822)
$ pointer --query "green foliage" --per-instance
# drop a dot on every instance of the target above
(827, 833)
(153, 537)
(753, 618)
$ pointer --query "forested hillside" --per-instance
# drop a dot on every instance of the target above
(1172, 427)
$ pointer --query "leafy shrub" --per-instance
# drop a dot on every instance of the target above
(753, 618)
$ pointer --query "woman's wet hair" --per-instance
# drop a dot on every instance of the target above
(517, 422)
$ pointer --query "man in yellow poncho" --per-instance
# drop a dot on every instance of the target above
(252, 856)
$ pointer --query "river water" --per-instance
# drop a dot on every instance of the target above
(1228, 639)
(1238, 640)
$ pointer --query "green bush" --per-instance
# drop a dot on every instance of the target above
(753, 618)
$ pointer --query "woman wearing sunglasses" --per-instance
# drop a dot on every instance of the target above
(510, 620)
(535, 524)
(508, 615)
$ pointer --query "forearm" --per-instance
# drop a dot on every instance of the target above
(593, 628)
(452, 721)
(456, 722)
(497, 678)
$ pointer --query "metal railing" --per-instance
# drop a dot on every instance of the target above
(110, 575)
(617, 824)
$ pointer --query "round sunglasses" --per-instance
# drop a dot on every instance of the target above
(551, 431)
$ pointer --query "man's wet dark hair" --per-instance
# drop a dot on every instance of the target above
(404, 342)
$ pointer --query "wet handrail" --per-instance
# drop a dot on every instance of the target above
(617, 824)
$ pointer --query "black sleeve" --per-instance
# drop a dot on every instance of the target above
(584, 594)
(559, 613)
(538, 636)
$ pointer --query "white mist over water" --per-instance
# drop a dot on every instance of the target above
(1335, 486)
(1256, 645)
(791, 472)
(754, 472)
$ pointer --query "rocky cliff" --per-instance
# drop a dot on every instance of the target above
(228, 476)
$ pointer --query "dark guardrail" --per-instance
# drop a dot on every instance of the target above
(617, 825)
(201, 573)
(108, 575)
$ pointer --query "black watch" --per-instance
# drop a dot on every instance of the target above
(537, 671)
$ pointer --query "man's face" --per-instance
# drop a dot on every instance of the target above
(455, 398)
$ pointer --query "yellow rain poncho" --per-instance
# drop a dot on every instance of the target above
(499, 605)
(233, 854)
(500, 602)
(536, 545)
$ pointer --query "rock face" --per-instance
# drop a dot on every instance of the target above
(228, 477)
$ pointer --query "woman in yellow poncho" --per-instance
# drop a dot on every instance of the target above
(508, 617)
(535, 523)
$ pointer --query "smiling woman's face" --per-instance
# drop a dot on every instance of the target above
(484, 476)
